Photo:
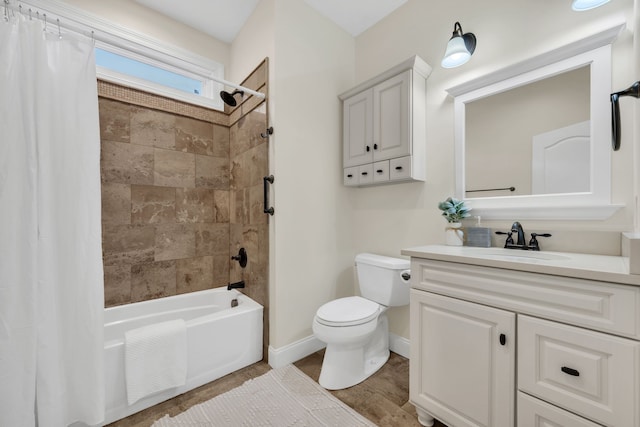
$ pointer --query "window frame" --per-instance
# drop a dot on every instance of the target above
(128, 43)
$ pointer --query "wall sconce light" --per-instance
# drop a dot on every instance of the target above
(582, 5)
(459, 48)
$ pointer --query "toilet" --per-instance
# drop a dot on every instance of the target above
(356, 329)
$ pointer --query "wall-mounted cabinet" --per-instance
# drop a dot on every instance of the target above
(384, 126)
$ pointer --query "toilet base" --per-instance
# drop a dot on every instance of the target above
(347, 365)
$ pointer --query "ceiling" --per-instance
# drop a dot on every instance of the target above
(223, 19)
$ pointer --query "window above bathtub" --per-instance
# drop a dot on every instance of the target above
(132, 59)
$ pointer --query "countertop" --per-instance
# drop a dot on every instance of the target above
(586, 266)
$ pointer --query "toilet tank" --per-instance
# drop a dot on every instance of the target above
(380, 279)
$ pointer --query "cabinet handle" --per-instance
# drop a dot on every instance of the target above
(375, 146)
(365, 173)
(350, 176)
(368, 149)
(398, 168)
(379, 171)
(570, 371)
(503, 339)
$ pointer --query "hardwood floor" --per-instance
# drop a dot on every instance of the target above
(382, 398)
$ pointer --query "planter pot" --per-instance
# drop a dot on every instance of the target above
(454, 235)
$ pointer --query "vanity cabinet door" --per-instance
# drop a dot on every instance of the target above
(391, 118)
(358, 129)
(462, 361)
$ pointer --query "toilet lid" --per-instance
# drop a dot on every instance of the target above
(347, 311)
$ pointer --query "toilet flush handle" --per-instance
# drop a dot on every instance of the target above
(406, 275)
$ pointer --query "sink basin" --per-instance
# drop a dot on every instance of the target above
(515, 255)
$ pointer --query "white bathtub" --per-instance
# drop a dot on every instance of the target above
(220, 340)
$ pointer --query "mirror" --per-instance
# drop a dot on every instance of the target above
(533, 140)
(536, 135)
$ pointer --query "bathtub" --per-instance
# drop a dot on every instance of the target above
(220, 339)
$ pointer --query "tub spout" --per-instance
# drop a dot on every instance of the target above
(235, 285)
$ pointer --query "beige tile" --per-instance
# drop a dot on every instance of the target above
(127, 244)
(194, 205)
(153, 128)
(212, 239)
(240, 206)
(220, 275)
(175, 241)
(194, 274)
(212, 172)
(194, 136)
(221, 140)
(221, 206)
(126, 163)
(117, 285)
(153, 205)
(258, 78)
(255, 103)
(115, 119)
(116, 203)
(174, 169)
(153, 280)
(256, 205)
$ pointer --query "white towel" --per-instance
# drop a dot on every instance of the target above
(155, 358)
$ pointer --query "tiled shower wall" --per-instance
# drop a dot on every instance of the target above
(181, 193)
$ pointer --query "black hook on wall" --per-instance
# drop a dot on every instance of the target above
(634, 91)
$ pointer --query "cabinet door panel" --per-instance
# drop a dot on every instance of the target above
(534, 412)
(391, 118)
(357, 133)
(461, 373)
(589, 373)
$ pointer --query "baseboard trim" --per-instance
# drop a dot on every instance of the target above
(300, 349)
(399, 345)
(295, 351)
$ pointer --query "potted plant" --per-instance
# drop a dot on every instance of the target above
(454, 210)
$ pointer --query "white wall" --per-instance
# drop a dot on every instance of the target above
(508, 32)
(320, 225)
(312, 256)
(136, 17)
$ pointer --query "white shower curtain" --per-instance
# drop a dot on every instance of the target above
(51, 282)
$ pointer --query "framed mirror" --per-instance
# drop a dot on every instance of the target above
(533, 140)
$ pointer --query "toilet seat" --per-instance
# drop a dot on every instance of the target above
(349, 311)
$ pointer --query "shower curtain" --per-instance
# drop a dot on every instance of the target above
(51, 282)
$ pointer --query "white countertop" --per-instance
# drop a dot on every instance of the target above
(585, 266)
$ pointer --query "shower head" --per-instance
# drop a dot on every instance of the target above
(229, 99)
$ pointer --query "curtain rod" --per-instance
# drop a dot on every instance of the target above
(78, 29)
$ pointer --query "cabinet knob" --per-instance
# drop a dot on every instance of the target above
(379, 171)
(368, 149)
(570, 371)
(350, 176)
(375, 146)
(365, 173)
(398, 168)
(503, 339)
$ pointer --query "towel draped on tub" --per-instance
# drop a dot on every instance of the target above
(155, 358)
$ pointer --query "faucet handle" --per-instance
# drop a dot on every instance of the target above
(533, 243)
(509, 240)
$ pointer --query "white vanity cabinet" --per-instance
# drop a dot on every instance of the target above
(384, 126)
(564, 351)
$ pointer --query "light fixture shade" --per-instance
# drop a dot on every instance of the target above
(581, 5)
(456, 53)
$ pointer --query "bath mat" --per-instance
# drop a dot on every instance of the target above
(281, 397)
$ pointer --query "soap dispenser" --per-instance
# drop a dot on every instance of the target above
(479, 236)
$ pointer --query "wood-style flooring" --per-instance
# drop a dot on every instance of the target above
(383, 398)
